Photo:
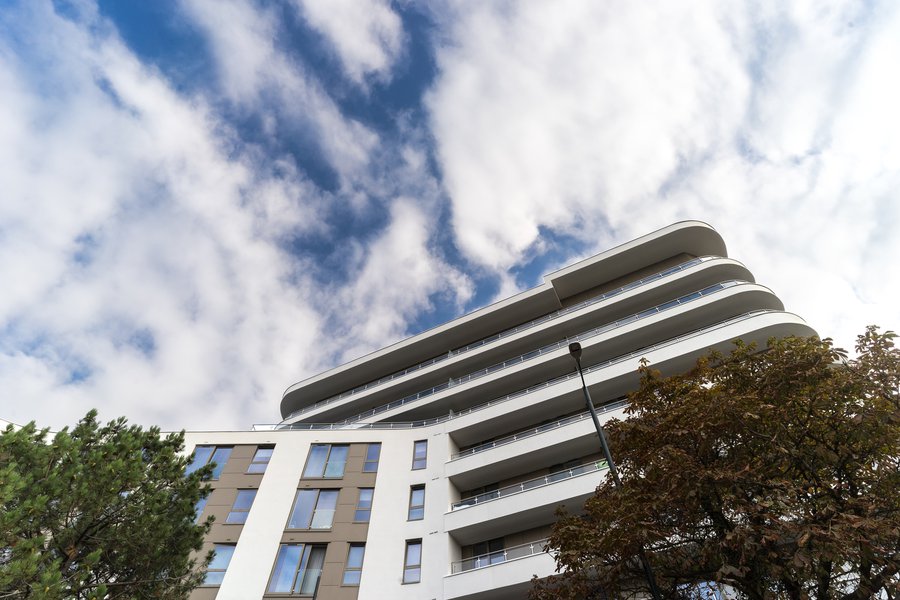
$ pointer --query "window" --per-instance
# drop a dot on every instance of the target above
(209, 454)
(297, 569)
(373, 452)
(412, 566)
(416, 503)
(353, 569)
(260, 460)
(326, 460)
(216, 570)
(198, 508)
(241, 507)
(364, 506)
(420, 454)
(488, 553)
(313, 509)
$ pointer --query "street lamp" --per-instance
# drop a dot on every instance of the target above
(575, 351)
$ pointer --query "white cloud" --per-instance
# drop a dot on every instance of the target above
(255, 72)
(774, 122)
(366, 34)
(397, 274)
(143, 267)
(142, 242)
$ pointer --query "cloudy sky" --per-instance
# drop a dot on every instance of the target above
(204, 201)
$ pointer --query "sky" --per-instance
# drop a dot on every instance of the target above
(203, 202)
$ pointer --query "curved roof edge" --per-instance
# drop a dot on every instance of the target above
(691, 237)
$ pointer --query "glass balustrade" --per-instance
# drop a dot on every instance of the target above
(504, 334)
(544, 350)
(529, 485)
(500, 556)
(457, 414)
(536, 430)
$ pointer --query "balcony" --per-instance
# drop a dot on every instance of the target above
(530, 485)
(522, 506)
(543, 351)
(500, 556)
(504, 334)
(505, 574)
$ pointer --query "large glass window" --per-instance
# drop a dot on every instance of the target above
(241, 507)
(412, 566)
(373, 453)
(216, 570)
(326, 460)
(297, 569)
(416, 503)
(260, 460)
(420, 454)
(364, 506)
(353, 570)
(209, 454)
(313, 509)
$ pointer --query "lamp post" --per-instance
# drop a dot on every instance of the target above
(575, 351)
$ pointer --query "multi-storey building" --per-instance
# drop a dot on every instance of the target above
(431, 469)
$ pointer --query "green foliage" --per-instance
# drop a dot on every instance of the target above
(101, 511)
(775, 473)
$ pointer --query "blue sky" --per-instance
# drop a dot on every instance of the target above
(204, 201)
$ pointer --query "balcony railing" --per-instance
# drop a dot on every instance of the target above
(500, 556)
(343, 425)
(544, 350)
(531, 484)
(536, 430)
(503, 334)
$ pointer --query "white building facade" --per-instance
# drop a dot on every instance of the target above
(431, 469)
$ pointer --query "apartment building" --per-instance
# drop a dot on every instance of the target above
(431, 469)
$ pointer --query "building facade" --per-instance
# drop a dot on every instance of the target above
(431, 469)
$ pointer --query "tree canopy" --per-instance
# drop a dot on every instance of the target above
(773, 474)
(101, 511)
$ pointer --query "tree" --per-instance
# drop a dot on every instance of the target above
(98, 512)
(775, 474)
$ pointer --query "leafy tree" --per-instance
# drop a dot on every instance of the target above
(98, 512)
(775, 474)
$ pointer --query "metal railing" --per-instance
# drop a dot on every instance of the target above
(456, 414)
(536, 430)
(543, 350)
(499, 556)
(531, 484)
(505, 333)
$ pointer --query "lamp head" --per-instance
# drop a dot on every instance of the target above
(575, 350)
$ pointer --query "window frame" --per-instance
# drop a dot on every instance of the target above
(326, 462)
(218, 570)
(302, 565)
(419, 508)
(314, 509)
(195, 465)
(361, 508)
(354, 569)
(240, 512)
(408, 566)
(369, 461)
(258, 467)
(419, 463)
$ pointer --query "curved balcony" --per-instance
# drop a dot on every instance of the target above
(531, 484)
(553, 425)
(500, 556)
(503, 334)
(519, 393)
(544, 350)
